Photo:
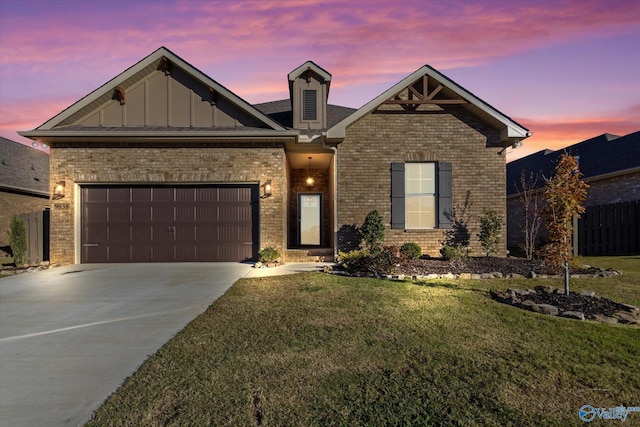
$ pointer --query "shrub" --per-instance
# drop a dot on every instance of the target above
(490, 226)
(380, 262)
(353, 260)
(268, 254)
(452, 253)
(411, 250)
(372, 231)
(18, 241)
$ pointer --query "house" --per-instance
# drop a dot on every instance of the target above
(610, 164)
(163, 163)
(24, 183)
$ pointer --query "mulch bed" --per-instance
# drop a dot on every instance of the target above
(479, 265)
(588, 305)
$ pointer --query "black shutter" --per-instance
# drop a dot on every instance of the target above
(445, 199)
(397, 195)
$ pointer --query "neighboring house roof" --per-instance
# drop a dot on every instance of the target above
(57, 123)
(511, 131)
(599, 156)
(23, 169)
(280, 111)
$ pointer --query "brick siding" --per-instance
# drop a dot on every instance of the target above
(136, 164)
(447, 134)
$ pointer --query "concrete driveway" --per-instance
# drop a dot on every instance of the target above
(70, 336)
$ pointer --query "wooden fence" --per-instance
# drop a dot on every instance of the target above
(612, 229)
(37, 226)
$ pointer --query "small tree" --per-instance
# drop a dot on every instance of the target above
(18, 240)
(490, 226)
(531, 218)
(564, 192)
(372, 231)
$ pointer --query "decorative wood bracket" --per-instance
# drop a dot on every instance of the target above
(119, 94)
(213, 96)
(165, 65)
(416, 98)
(308, 74)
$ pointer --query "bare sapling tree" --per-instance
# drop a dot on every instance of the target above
(564, 193)
(531, 218)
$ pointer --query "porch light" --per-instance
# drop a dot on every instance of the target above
(266, 189)
(310, 180)
(58, 190)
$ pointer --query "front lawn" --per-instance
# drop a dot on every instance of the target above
(315, 349)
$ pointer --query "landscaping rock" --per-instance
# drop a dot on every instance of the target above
(605, 319)
(529, 305)
(257, 265)
(627, 318)
(520, 292)
(497, 275)
(630, 308)
(503, 297)
(465, 275)
(549, 309)
(545, 289)
(587, 293)
(532, 275)
(573, 315)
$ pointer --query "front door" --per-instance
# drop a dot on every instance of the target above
(310, 218)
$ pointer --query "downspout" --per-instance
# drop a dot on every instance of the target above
(335, 196)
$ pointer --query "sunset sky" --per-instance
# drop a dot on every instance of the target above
(567, 70)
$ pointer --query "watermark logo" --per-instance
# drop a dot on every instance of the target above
(588, 413)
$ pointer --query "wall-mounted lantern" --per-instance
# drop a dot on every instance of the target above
(267, 190)
(58, 190)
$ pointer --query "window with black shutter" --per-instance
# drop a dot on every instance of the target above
(421, 196)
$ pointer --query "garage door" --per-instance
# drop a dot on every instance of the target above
(169, 224)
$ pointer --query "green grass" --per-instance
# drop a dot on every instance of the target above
(315, 350)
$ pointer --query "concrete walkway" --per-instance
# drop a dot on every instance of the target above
(293, 268)
(70, 336)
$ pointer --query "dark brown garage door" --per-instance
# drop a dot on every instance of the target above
(169, 224)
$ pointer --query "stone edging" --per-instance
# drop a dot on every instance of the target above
(15, 271)
(629, 314)
(474, 276)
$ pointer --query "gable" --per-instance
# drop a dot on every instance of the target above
(161, 91)
(427, 89)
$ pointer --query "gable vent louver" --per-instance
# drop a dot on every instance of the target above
(309, 105)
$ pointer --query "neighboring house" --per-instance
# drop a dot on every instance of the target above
(162, 163)
(24, 183)
(610, 164)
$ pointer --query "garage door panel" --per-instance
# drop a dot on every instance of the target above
(141, 195)
(185, 213)
(119, 252)
(163, 252)
(95, 214)
(206, 213)
(119, 214)
(141, 252)
(141, 214)
(185, 252)
(163, 195)
(185, 233)
(162, 213)
(119, 233)
(167, 224)
(141, 233)
(206, 194)
(93, 195)
(119, 195)
(185, 194)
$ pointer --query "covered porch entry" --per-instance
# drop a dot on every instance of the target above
(310, 206)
